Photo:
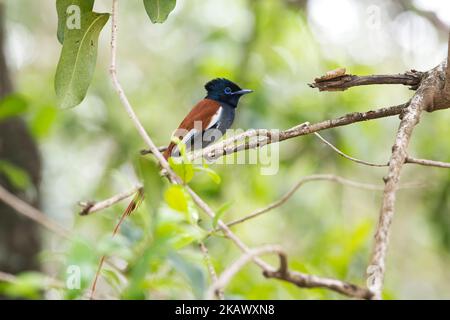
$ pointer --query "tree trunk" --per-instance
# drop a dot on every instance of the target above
(19, 236)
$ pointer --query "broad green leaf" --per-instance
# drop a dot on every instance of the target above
(16, 176)
(64, 9)
(78, 58)
(159, 10)
(220, 213)
(211, 173)
(183, 169)
(176, 198)
(12, 105)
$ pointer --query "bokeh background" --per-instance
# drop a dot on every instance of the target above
(274, 47)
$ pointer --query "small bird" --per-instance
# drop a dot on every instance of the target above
(214, 113)
(210, 118)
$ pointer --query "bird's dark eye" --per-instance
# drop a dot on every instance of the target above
(227, 90)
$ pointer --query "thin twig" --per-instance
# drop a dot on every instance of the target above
(123, 98)
(210, 267)
(428, 163)
(91, 207)
(147, 151)
(34, 214)
(228, 274)
(423, 162)
(347, 156)
(301, 182)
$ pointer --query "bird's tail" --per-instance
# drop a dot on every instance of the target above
(132, 206)
(168, 151)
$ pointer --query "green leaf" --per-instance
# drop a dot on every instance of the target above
(16, 176)
(63, 10)
(220, 213)
(189, 234)
(27, 285)
(12, 105)
(184, 169)
(211, 173)
(176, 198)
(43, 120)
(78, 58)
(192, 271)
(159, 10)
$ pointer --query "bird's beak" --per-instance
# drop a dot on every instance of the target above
(242, 92)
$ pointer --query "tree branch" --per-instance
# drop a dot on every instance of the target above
(428, 163)
(234, 268)
(337, 80)
(311, 281)
(347, 156)
(301, 182)
(34, 214)
(447, 73)
(211, 270)
(229, 146)
(283, 273)
(91, 207)
(420, 102)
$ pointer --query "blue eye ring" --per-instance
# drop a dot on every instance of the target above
(227, 90)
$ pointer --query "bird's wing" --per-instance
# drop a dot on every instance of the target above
(203, 116)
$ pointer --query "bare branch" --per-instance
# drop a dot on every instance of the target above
(310, 281)
(34, 214)
(301, 182)
(91, 207)
(423, 162)
(341, 82)
(282, 273)
(447, 72)
(211, 270)
(347, 156)
(228, 274)
(429, 163)
(147, 151)
(410, 119)
(124, 100)
(229, 146)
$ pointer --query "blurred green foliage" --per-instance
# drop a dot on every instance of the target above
(92, 152)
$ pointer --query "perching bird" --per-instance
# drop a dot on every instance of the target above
(214, 113)
(210, 118)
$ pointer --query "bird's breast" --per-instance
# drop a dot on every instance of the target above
(226, 118)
